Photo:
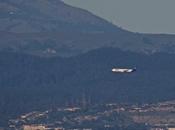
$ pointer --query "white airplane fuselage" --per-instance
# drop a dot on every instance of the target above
(119, 70)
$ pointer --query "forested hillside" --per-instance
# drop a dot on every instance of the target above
(28, 82)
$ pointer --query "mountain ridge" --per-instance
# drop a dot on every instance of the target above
(53, 28)
(45, 13)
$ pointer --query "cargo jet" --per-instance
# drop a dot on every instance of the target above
(123, 70)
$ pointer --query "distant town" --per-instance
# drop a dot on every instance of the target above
(159, 116)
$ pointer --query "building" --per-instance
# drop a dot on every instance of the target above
(34, 127)
(171, 128)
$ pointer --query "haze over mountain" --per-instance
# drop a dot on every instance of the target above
(52, 28)
(149, 16)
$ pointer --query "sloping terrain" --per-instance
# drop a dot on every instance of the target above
(22, 16)
(52, 28)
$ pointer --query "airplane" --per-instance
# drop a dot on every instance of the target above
(123, 70)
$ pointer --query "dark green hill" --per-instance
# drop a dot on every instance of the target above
(30, 83)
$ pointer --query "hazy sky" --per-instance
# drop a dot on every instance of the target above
(153, 16)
